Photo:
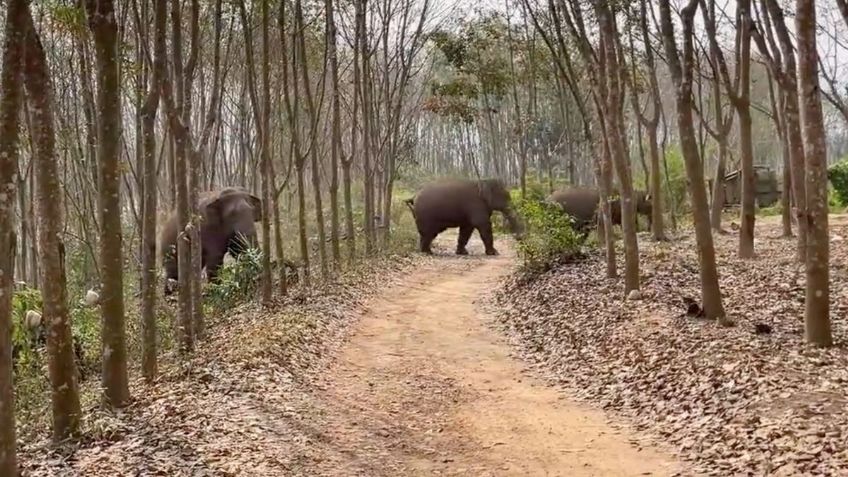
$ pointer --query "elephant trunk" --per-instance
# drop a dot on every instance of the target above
(514, 223)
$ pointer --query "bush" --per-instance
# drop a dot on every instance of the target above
(674, 184)
(237, 281)
(549, 237)
(23, 340)
(837, 174)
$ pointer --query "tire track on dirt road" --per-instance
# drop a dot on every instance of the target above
(425, 387)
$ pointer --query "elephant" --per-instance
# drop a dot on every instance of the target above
(467, 204)
(228, 218)
(582, 204)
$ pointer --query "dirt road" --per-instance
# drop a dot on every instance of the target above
(425, 387)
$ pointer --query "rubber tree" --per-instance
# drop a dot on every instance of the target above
(817, 302)
(681, 68)
(11, 97)
(104, 28)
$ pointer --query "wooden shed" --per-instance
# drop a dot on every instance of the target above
(767, 188)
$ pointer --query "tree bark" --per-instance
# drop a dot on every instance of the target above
(612, 93)
(682, 77)
(336, 140)
(290, 99)
(313, 134)
(149, 363)
(11, 98)
(180, 147)
(265, 136)
(101, 19)
(60, 355)
(792, 119)
(817, 303)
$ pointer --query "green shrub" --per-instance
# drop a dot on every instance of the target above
(776, 209)
(237, 281)
(674, 184)
(837, 174)
(24, 300)
(549, 236)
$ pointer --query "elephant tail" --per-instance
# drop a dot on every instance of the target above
(410, 202)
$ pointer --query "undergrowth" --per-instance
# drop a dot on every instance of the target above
(549, 236)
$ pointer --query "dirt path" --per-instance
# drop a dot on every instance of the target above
(424, 387)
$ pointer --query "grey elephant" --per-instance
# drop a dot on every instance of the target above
(228, 218)
(466, 204)
(582, 203)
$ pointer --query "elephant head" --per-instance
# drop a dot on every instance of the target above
(230, 215)
(228, 225)
(496, 195)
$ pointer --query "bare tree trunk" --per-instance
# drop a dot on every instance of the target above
(739, 91)
(290, 98)
(149, 364)
(195, 164)
(615, 133)
(817, 303)
(60, 355)
(792, 120)
(336, 140)
(101, 18)
(682, 76)
(361, 38)
(173, 108)
(265, 136)
(313, 133)
(11, 97)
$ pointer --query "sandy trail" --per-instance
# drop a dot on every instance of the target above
(425, 387)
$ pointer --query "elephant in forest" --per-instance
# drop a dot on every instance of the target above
(228, 225)
(582, 204)
(467, 204)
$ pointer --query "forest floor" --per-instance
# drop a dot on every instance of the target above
(409, 381)
(752, 399)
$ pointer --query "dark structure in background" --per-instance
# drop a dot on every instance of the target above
(767, 187)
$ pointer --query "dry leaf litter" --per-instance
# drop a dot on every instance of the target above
(237, 407)
(752, 399)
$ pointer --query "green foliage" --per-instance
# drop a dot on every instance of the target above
(837, 174)
(86, 330)
(675, 187)
(237, 281)
(549, 236)
(22, 339)
(775, 209)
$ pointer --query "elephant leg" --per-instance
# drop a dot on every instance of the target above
(426, 241)
(485, 231)
(171, 270)
(214, 260)
(465, 232)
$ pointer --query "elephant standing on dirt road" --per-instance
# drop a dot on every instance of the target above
(228, 225)
(466, 204)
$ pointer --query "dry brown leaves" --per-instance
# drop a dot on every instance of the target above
(731, 400)
(236, 408)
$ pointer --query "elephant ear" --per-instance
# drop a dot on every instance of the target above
(222, 204)
(256, 203)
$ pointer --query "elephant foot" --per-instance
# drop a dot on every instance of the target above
(461, 251)
(492, 252)
(427, 251)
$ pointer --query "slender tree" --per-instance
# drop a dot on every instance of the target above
(104, 27)
(739, 93)
(817, 303)
(336, 139)
(11, 95)
(149, 366)
(681, 72)
(51, 250)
